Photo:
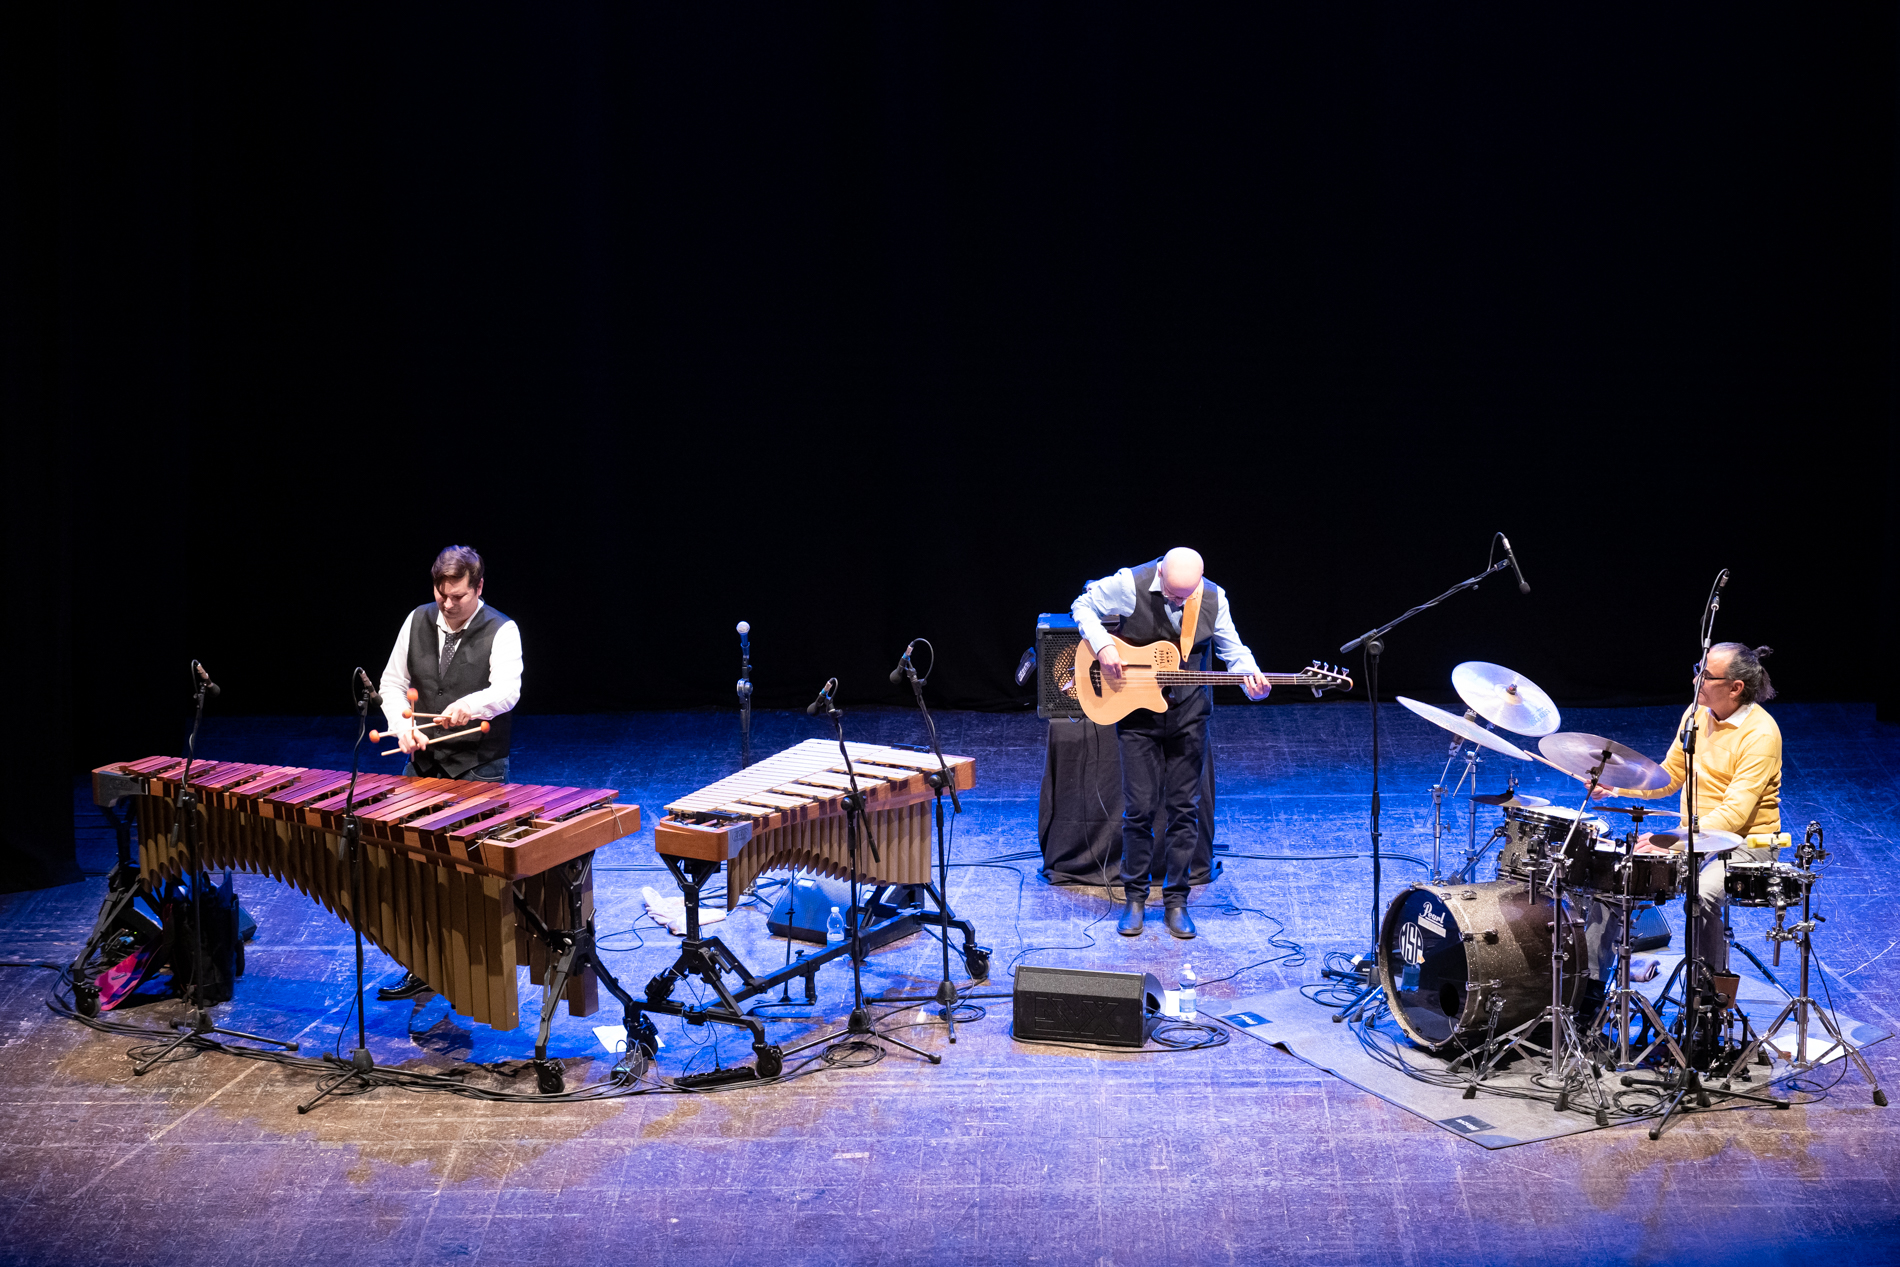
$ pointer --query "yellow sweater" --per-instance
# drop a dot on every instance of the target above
(1738, 772)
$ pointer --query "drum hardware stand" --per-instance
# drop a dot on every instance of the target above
(1372, 641)
(1472, 758)
(197, 1022)
(1800, 1007)
(1566, 1055)
(122, 884)
(859, 1026)
(358, 1068)
(975, 958)
(1616, 1005)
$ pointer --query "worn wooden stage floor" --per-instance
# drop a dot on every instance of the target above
(1004, 1153)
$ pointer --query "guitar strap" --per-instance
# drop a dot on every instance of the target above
(1190, 615)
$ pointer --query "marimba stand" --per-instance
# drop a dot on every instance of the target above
(571, 950)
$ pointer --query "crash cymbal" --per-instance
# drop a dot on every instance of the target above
(1705, 841)
(1511, 798)
(1633, 811)
(1577, 753)
(1505, 699)
(1465, 729)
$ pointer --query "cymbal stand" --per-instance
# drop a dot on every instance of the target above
(358, 1068)
(197, 1022)
(859, 1025)
(1568, 1062)
(1373, 640)
(1801, 1007)
(1617, 1004)
(941, 780)
(1471, 757)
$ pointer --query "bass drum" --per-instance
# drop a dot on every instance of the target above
(1446, 951)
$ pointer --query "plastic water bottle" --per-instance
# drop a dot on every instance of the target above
(834, 929)
(1187, 1006)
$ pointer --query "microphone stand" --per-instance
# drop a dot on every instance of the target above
(859, 1026)
(1372, 641)
(975, 957)
(745, 697)
(197, 1022)
(357, 1070)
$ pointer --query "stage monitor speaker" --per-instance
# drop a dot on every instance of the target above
(804, 905)
(1073, 1005)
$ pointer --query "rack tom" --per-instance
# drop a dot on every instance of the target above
(1533, 836)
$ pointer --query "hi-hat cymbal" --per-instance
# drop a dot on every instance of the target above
(1576, 753)
(1634, 811)
(1505, 699)
(1468, 730)
(1511, 798)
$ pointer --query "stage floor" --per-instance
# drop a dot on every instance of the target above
(1004, 1153)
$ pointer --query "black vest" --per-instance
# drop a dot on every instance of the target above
(435, 691)
(1149, 623)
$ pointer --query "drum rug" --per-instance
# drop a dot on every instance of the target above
(1501, 1115)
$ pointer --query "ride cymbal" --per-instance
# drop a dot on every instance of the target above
(1505, 698)
(1578, 754)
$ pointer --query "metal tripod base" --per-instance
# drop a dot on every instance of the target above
(859, 1026)
(1801, 1008)
(1570, 1067)
(354, 1071)
(197, 1024)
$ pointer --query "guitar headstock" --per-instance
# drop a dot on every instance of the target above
(1324, 677)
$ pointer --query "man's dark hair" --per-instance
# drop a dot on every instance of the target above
(456, 562)
(1744, 666)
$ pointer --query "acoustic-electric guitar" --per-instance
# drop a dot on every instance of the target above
(1145, 670)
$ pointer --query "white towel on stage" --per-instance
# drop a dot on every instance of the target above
(671, 911)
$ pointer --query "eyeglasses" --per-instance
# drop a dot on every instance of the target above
(1696, 669)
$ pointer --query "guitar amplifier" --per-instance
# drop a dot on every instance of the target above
(1072, 1005)
(1056, 641)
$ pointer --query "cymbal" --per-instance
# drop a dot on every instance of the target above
(1577, 753)
(1505, 699)
(1644, 810)
(1464, 729)
(1511, 798)
(1705, 841)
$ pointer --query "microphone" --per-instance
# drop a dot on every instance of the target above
(1025, 666)
(745, 637)
(823, 703)
(1715, 599)
(369, 688)
(903, 662)
(1523, 586)
(211, 688)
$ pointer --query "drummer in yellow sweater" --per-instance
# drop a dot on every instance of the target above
(1738, 776)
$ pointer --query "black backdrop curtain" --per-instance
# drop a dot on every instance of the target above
(864, 322)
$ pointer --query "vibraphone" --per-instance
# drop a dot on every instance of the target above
(455, 874)
(789, 811)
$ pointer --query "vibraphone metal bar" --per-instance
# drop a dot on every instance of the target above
(449, 868)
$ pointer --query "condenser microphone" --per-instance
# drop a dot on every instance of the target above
(1523, 586)
(198, 671)
(823, 703)
(369, 688)
(903, 662)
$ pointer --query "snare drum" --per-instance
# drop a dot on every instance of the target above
(1653, 877)
(1532, 836)
(1750, 883)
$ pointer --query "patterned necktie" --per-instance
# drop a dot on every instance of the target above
(450, 641)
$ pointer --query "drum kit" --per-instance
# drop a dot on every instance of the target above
(1476, 970)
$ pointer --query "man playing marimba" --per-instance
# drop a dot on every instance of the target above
(464, 660)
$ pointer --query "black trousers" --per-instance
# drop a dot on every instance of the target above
(1161, 795)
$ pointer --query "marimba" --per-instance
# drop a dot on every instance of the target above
(788, 811)
(450, 868)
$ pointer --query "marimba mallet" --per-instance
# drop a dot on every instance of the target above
(425, 741)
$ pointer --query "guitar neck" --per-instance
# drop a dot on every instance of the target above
(1208, 677)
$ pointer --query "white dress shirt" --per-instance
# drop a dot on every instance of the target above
(502, 693)
(1115, 596)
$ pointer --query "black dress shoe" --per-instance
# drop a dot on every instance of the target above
(1178, 922)
(410, 987)
(1130, 923)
